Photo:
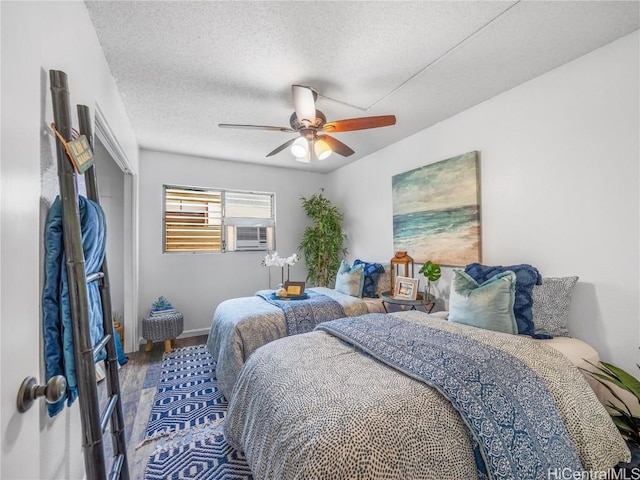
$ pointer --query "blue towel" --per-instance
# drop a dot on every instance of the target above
(122, 358)
(57, 324)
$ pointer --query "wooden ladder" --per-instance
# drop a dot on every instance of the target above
(94, 422)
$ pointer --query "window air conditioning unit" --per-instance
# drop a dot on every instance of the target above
(251, 238)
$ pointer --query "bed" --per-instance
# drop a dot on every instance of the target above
(241, 325)
(315, 406)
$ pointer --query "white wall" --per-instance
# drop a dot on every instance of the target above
(196, 283)
(111, 191)
(560, 187)
(36, 37)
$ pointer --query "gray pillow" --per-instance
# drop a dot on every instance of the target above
(384, 280)
(551, 302)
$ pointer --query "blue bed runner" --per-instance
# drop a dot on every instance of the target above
(302, 316)
(514, 424)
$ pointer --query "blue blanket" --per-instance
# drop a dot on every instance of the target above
(302, 316)
(512, 418)
(57, 323)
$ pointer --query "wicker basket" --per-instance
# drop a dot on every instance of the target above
(162, 327)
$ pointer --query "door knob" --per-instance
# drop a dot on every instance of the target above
(29, 391)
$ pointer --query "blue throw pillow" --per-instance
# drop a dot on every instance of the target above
(526, 277)
(349, 280)
(372, 272)
(488, 306)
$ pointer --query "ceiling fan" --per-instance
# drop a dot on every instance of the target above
(313, 127)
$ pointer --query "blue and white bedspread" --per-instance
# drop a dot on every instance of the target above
(241, 325)
(302, 316)
(316, 406)
(512, 417)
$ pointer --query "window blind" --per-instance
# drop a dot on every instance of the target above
(192, 220)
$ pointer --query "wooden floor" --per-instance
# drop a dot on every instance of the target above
(136, 402)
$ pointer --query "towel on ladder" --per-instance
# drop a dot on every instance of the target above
(56, 308)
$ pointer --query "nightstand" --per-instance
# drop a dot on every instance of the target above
(388, 298)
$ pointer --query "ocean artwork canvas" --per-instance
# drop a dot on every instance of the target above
(436, 211)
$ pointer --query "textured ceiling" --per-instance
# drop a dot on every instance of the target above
(184, 67)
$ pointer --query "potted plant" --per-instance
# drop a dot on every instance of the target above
(432, 273)
(627, 423)
(322, 241)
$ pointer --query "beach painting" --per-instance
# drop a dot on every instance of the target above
(436, 211)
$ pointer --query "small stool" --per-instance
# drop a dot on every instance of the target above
(162, 327)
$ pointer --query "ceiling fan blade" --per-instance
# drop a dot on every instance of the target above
(304, 102)
(361, 123)
(336, 145)
(282, 147)
(256, 127)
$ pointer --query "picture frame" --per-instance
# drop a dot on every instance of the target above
(294, 288)
(436, 211)
(406, 288)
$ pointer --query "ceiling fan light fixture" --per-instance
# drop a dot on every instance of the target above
(306, 158)
(300, 148)
(322, 149)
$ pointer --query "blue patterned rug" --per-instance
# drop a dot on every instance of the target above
(186, 422)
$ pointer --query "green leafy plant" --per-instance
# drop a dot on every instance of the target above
(432, 273)
(607, 375)
(322, 242)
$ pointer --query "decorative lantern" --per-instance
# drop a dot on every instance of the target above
(400, 259)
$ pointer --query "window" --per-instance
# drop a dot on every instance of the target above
(204, 220)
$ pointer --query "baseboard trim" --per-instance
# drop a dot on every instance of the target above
(194, 333)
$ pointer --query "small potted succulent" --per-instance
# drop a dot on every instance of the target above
(432, 273)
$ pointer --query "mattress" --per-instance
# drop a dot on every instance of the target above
(584, 356)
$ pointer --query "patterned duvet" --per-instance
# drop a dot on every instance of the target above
(241, 325)
(311, 406)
